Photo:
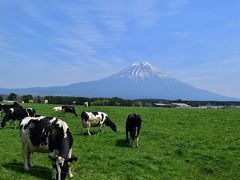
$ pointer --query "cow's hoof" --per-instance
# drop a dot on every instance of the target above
(26, 168)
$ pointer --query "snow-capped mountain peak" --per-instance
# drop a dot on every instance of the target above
(139, 81)
(141, 71)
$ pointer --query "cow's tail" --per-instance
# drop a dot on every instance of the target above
(109, 123)
(84, 116)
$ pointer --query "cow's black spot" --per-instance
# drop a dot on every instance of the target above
(95, 113)
(84, 116)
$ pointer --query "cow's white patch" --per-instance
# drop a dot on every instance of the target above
(26, 120)
(53, 119)
(12, 110)
(27, 111)
(57, 109)
(63, 125)
(95, 120)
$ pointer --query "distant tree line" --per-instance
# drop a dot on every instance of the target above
(115, 101)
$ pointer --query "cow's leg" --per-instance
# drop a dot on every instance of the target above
(54, 173)
(126, 135)
(29, 159)
(69, 164)
(15, 124)
(137, 141)
(54, 170)
(100, 129)
(83, 127)
(131, 142)
(25, 157)
(88, 128)
(88, 131)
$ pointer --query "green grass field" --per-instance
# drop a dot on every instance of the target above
(173, 144)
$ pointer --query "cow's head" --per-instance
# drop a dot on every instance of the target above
(113, 127)
(74, 111)
(61, 166)
(109, 123)
(139, 119)
(31, 112)
(9, 115)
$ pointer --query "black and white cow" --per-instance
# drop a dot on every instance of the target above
(52, 135)
(133, 126)
(69, 109)
(17, 113)
(6, 107)
(94, 119)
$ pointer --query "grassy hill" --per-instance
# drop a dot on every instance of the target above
(174, 143)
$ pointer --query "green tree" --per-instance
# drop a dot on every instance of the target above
(12, 97)
(38, 99)
(26, 98)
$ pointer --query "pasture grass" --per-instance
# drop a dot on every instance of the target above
(173, 144)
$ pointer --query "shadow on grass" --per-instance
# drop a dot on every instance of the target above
(86, 134)
(37, 171)
(122, 143)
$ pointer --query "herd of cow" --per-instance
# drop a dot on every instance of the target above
(50, 134)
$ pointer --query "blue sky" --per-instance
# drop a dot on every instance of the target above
(51, 42)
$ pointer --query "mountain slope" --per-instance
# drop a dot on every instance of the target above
(139, 81)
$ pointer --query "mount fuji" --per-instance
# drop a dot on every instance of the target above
(139, 81)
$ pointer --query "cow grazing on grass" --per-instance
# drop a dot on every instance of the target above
(52, 135)
(17, 113)
(96, 119)
(133, 126)
(6, 107)
(69, 109)
(65, 109)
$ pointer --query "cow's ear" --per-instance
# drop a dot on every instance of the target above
(71, 159)
(52, 158)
